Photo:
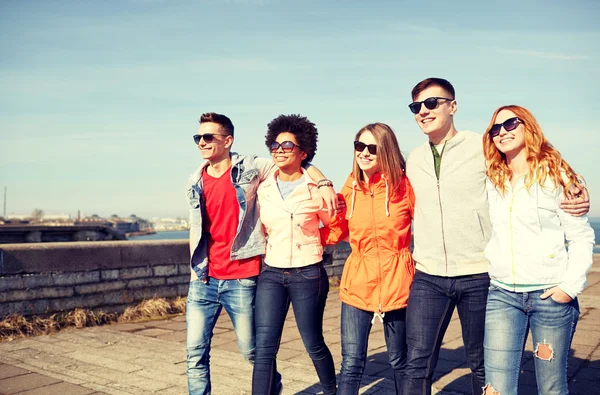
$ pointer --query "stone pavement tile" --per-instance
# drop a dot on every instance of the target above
(60, 389)
(376, 342)
(179, 318)
(57, 347)
(179, 336)
(454, 344)
(159, 365)
(151, 332)
(87, 337)
(332, 337)
(92, 359)
(127, 327)
(224, 323)
(587, 337)
(459, 380)
(170, 325)
(7, 371)
(286, 354)
(14, 385)
(289, 334)
(174, 380)
(56, 366)
(445, 366)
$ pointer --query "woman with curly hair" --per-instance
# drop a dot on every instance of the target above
(535, 279)
(291, 212)
(379, 271)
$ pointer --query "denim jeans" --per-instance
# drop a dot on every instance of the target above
(508, 319)
(204, 304)
(431, 303)
(306, 288)
(356, 326)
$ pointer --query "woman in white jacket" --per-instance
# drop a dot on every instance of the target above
(535, 280)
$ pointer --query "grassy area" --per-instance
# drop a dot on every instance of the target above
(16, 326)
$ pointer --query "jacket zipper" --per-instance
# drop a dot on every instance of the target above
(442, 222)
(291, 238)
(512, 247)
(377, 247)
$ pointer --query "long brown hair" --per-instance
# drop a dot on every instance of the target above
(543, 159)
(390, 159)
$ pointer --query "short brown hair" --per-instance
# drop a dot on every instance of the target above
(219, 119)
(426, 83)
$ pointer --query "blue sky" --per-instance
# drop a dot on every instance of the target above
(99, 99)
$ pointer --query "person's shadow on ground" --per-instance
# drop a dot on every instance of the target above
(583, 375)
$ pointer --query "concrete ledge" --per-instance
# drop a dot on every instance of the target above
(85, 256)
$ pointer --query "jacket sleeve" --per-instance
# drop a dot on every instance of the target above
(265, 166)
(337, 228)
(580, 246)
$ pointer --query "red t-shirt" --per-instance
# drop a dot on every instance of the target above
(223, 211)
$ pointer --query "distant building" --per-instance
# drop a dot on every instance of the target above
(169, 224)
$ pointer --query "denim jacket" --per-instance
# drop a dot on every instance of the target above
(246, 173)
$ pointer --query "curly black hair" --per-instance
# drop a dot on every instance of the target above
(304, 130)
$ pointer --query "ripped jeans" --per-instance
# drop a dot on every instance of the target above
(509, 316)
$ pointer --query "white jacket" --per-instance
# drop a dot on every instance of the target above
(528, 239)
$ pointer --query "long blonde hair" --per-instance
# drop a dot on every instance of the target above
(543, 159)
(390, 159)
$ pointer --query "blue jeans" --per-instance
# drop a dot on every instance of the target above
(356, 326)
(306, 289)
(431, 303)
(204, 304)
(508, 319)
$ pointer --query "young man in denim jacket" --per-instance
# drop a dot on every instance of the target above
(226, 244)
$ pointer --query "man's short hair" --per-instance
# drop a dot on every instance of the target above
(219, 119)
(426, 83)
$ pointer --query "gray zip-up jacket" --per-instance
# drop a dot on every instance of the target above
(452, 221)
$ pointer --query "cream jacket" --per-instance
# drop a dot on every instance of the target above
(292, 225)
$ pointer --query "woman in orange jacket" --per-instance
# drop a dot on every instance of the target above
(379, 271)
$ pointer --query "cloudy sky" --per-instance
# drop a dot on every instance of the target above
(99, 99)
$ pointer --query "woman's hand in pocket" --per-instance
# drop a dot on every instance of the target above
(557, 294)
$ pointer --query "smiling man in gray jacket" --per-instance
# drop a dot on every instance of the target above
(451, 229)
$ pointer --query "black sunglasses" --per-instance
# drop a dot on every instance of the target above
(359, 146)
(509, 124)
(430, 104)
(208, 137)
(286, 146)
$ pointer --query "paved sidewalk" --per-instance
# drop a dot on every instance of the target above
(149, 357)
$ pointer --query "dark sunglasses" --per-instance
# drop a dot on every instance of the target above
(509, 124)
(359, 146)
(430, 104)
(208, 137)
(286, 146)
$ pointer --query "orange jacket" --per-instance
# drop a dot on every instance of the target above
(379, 271)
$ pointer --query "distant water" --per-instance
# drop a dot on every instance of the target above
(185, 234)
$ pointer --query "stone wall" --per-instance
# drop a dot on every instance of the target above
(47, 278)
